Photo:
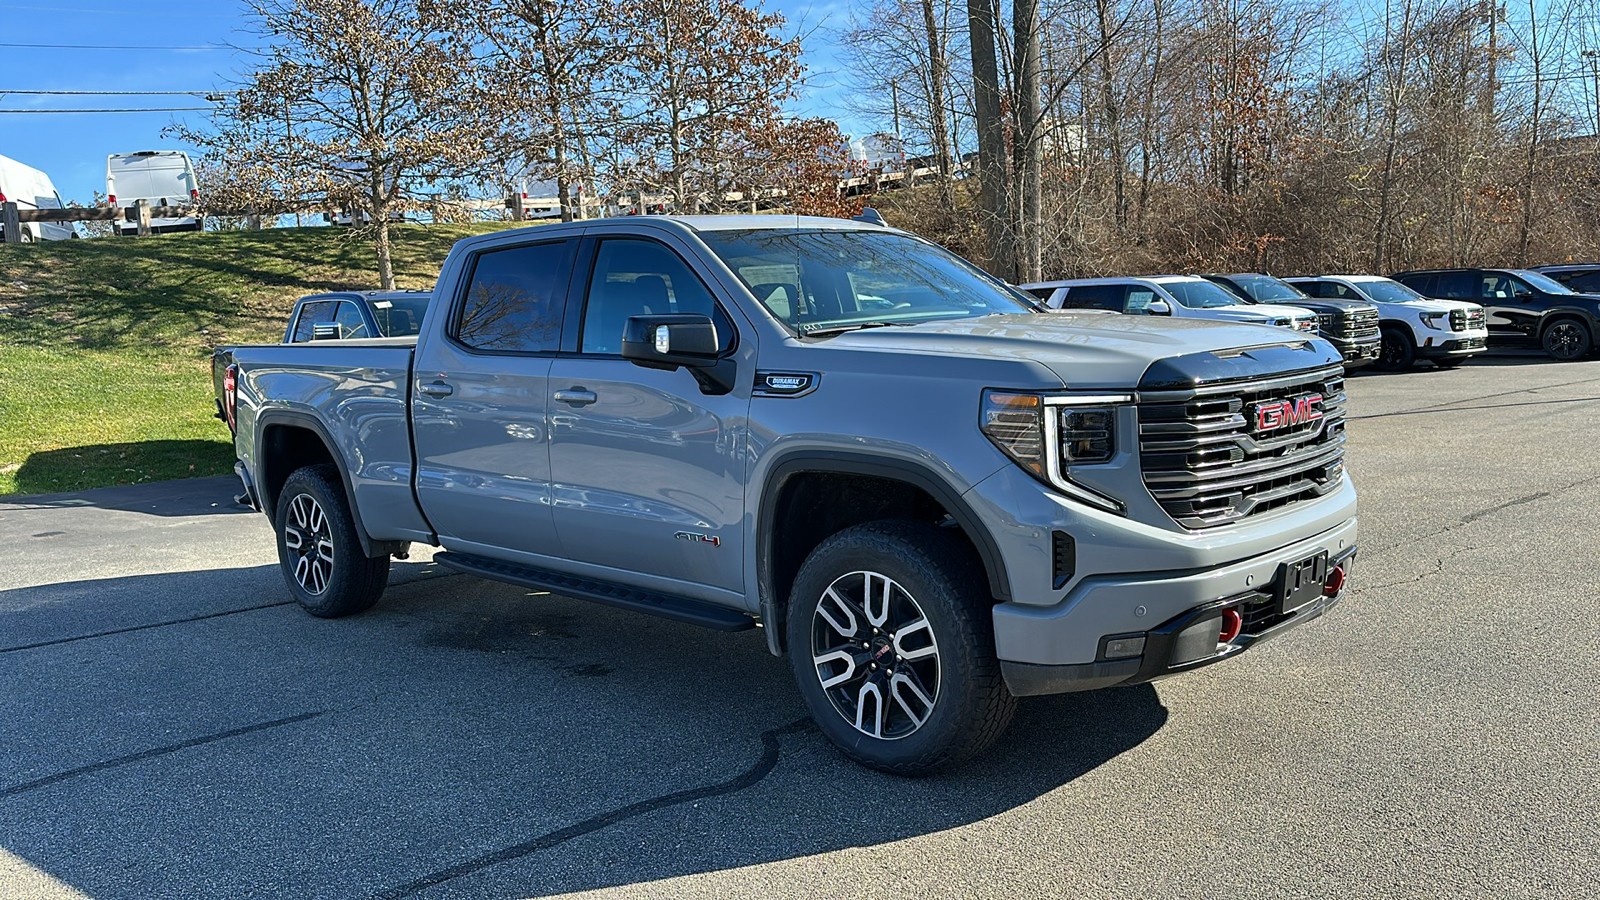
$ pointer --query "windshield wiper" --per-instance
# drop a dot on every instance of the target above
(820, 330)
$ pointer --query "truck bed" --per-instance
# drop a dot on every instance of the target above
(355, 393)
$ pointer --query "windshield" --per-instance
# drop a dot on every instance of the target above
(1387, 291)
(820, 280)
(1266, 289)
(1543, 282)
(400, 316)
(1200, 294)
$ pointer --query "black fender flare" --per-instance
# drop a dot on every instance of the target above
(296, 419)
(1550, 316)
(799, 461)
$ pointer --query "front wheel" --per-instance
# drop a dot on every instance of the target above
(1567, 340)
(1397, 352)
(319, 549)
(892, 644)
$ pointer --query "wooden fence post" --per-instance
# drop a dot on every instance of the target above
(141, 214)
(10, 225)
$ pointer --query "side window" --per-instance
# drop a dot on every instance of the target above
(1139, 301)
(642, 278)
(515, 299)
(1587, 283)
(351, 324)
(313, 313)
(1454, 286)
(1042, 293)
(1096, 296)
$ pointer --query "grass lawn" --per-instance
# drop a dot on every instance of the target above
(105, 344)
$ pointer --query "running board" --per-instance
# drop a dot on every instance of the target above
(678, 609)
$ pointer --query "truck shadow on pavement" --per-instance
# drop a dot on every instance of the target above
(462, 738)
(182, 497)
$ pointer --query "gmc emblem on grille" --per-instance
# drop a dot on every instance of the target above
(1276, 414)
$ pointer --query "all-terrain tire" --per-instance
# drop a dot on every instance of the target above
(319, 550)
(940, 579)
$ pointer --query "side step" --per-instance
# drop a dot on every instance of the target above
(678, 609)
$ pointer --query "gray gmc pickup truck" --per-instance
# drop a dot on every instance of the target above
(933, 495)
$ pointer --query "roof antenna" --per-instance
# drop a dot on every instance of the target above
(870, 216)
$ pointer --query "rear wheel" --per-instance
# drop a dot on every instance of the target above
(319, 550)
(892, 645)
(27, 236)
(1397, 351)
(1567, 340)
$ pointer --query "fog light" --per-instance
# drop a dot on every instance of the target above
(1123, 647)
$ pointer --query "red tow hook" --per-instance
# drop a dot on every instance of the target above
(1335, 582)
(1232, 624)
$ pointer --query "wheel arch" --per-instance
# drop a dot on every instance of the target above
(1400, 325)
(1561, 313)
(777, 563)
(287, 440)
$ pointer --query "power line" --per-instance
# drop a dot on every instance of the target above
(119, 93)
(117, 47)
(142, 110)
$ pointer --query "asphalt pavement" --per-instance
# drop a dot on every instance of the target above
(172, 726)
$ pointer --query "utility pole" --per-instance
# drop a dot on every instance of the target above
(1593, 56)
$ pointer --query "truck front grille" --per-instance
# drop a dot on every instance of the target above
(1222, 453)
(1359, 325)
(1466, 319)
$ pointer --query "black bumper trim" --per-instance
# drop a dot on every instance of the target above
(1031, 679)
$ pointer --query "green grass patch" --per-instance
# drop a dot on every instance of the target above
(105, 344)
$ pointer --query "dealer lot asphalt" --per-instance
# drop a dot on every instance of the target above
(171, 726)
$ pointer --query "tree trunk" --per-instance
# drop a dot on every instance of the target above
(1147, 124)
(938, 73)
(1028, 149)
(380, 220)
(993, 170)
(1108, 99)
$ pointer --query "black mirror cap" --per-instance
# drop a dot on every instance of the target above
(691, 344)
(691, 341)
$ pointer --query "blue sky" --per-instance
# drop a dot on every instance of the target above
(72, 148)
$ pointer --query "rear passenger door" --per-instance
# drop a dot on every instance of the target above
(1506, 302)
(648, 469)
(480, 386)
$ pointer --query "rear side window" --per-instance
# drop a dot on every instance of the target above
(1453, 286)
(1096, 296)
(1043, 293)
(515, 299)
(313, 313)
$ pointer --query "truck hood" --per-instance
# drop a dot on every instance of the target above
(1330, 304)
(1257, 312)
(1085, 350)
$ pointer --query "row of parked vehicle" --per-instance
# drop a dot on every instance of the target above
(158, 177)
(1445, 316)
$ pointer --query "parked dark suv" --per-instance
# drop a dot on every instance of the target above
(1521, 306)
(1349, 325)
(1581, 277)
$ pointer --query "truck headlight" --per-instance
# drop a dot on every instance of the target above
(1049, 434)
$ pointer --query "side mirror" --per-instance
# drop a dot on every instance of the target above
(326, 331)
(1159, 307)
(679, 341)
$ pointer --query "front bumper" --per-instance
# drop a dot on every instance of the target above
(1061, 648)
(1465, 346)
(1356, 352)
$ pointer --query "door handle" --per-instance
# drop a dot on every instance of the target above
(436, 389)
(577, 396)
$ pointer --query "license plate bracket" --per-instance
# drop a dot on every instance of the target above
(1299, 583)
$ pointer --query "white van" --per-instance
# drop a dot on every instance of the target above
(158, 177)
(30, 188)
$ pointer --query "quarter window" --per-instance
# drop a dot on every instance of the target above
(514, 300)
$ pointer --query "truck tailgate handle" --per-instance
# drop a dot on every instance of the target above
(436, 389)
(577, 396)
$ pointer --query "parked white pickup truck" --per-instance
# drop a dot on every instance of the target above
(1447, 333)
